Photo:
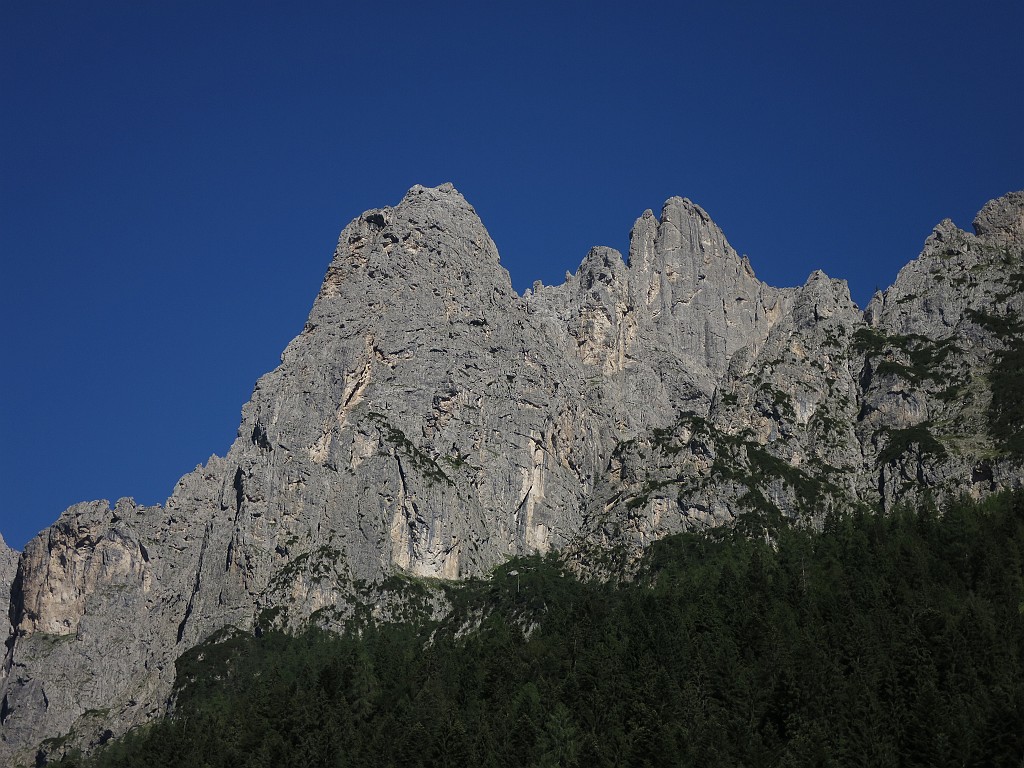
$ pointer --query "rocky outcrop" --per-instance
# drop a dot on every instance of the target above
(430, 421)
(937, 339)
(661, 329)
(777, 436)
(8, 567)
(838, 408)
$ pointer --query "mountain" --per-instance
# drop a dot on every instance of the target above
(429, 421)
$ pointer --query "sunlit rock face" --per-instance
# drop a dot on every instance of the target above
(430, 421)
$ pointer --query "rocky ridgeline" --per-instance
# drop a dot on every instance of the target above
(429, 421)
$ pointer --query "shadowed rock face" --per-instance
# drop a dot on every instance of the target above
(428, 420)
(8, 567)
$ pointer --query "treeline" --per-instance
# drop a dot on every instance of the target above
(878, 641)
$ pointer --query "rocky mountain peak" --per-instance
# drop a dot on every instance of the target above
(695, 290)
(957, 272)
(445, 193)
(1001, 219)
(430, 422)
(433, 234)
(684, 232)
(602, 266)
(820, 298)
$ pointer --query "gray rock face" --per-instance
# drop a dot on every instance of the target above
(661, 331)
(836, 408)
(938, 333)
(8, 567)
(428, 420)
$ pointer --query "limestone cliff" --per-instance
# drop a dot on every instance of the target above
(838, 408)
(8, 567)
(428, 420)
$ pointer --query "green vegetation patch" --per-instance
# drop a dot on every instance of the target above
(421, 461)
(810, 490)
(1003, 327)
(1006, 378)
(912, 357)
(1006, 410)
(902, 440)
(868, 340)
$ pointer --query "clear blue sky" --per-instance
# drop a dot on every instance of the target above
(174, 175)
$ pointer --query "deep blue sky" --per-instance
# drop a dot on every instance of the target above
(174, 175)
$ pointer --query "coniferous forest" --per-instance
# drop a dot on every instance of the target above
(872, 641)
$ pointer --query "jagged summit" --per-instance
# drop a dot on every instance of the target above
(1001, 219)
(430, 421)
(445, 192)
(432, 230)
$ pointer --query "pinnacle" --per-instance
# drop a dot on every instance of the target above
(686, 205)
(817, 276)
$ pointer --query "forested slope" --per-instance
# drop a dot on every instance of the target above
(878, 640)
